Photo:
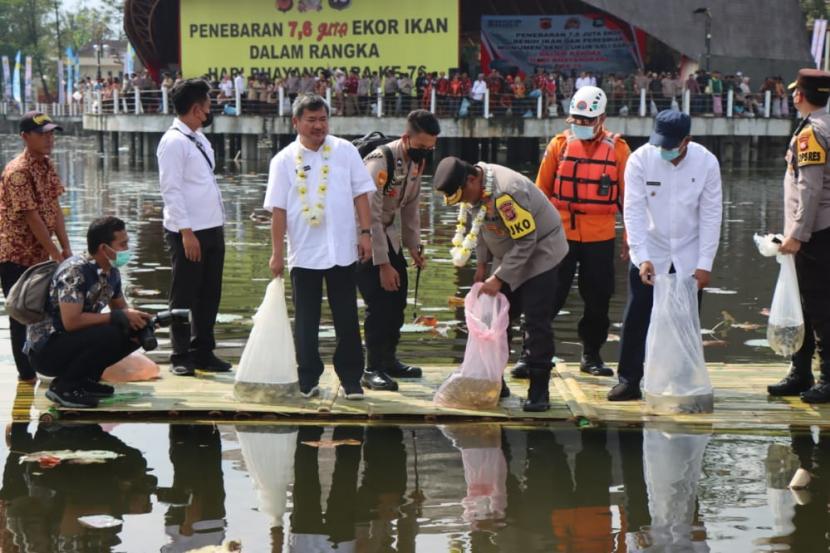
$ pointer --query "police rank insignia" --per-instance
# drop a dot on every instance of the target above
(519, 221)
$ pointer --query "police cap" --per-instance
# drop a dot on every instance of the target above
(35, 121)
(449, 179)
(814, 80)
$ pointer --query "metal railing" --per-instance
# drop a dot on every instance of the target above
(535, 105)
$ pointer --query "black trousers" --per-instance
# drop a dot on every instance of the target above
(534, 301)
(10, 273)
(384, 312)
(307, 517)
(636, 321)
(71, 357)
(307, 288)
(812, 265)
(196, 286)
(596, 286)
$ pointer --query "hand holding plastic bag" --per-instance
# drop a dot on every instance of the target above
(676, 378)
(785, 329)
(478, 383)
(268, 367)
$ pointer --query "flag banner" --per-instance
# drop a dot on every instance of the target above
(16, 80)
(7, 80)
(28, 81)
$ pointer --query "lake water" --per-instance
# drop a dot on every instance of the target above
(474, 488)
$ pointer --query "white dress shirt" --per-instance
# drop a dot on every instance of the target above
(334, 241)
(673, 213)
(188, 186)
(478, 90)
(239, 83)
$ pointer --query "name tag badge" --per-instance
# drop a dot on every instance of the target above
(653, 183)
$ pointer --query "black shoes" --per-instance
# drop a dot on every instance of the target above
(210, 363)
(505, 391)
(73, 397)
(794, 384)
(520, 370)
(96, 389)
(538, 396)
(820, 393)
(592, 364)
(625, 391)
(183, 367)
(378, 380)
(309, 391)
(399, 370)
(351, 391)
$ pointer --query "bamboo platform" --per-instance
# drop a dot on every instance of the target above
(741, 402)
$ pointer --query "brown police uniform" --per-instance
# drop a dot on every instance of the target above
(396, 224)
(807, 219)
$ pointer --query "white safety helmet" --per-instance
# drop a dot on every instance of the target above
(588, 101)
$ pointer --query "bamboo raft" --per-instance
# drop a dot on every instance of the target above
(741, 402)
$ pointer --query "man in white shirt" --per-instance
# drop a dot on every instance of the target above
(315, 185)
(194, 217)
(672, 212)
(226, 88)
(240, 84)
(582, 80)
(477, 95)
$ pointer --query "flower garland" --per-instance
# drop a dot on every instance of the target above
(313, 214)
(463, 246)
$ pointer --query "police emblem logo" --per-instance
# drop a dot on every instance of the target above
(507, 211)
(41, 119)
(340, 4)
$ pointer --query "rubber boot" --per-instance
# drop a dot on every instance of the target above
(538, 397)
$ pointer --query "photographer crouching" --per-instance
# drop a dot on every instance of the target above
(75, 342)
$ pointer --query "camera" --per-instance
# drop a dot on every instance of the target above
(147, 335)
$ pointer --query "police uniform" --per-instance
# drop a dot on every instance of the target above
(523, 240)
(807, 219)
(395, 224)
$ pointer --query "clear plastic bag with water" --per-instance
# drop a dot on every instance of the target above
(268, 368)
(785, 328)
(676, 379)
(477, 384)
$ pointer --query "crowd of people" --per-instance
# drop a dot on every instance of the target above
(459, 94)
(347, 218)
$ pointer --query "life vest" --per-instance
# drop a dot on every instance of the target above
(587, 184)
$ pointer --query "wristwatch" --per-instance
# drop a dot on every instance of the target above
(366, 231)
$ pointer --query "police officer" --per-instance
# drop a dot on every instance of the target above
(807, 233)
(396, 169)
(517, 229)
(582, 174)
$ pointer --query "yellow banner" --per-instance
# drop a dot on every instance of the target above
(275, 37)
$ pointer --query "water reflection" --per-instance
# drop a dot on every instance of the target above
(471, 488)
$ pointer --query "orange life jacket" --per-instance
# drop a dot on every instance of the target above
(584, 183)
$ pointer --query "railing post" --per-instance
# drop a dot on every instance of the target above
(115, 101)
(281, 100)
(730, 102)
(643, 109)
(165, 100)
(137, 98)
(539, 107)
(99, 102)
(487, 103)
(238, 102)
(687, 101)
(380, 102)
(767, 103)
(328, 97)
(433, 99)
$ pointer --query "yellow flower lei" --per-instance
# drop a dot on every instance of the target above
(463, 246)
(313, 214)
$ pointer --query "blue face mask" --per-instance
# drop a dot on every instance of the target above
(121, 258)
(581, 132)
(670, 155)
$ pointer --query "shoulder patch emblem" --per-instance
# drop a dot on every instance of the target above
(518, 220)
(381, 178)
(810, 151)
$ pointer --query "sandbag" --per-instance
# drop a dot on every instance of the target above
(676, 379)
(785, 328)
(136, 367)
(268, 367)
(477, 384)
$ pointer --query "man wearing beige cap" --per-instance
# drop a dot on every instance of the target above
(807, 233)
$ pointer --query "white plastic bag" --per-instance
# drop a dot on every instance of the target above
(785, 328)
(269, 457)
(268, 367)
(478, 382)
(676, 379)
(136, 367)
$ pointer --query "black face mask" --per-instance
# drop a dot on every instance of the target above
(417, 155)
(208, 120)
